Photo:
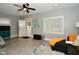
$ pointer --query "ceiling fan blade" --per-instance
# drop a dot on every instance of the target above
(24, 6)
(32, 9)
(20, 9)
(27, 11)
(17, 5)
(27, 4)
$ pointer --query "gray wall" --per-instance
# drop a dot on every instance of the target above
(13, 21)
(71, 16)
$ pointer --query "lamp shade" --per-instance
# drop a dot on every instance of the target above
(77, 24)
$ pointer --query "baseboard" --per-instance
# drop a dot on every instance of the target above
(14, 36)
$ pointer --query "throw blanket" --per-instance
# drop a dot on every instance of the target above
(53, 41)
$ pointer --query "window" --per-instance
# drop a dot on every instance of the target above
(53, 25)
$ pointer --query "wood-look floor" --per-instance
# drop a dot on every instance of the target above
(20, 46)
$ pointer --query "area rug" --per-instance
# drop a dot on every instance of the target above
(25, 37)
(44, 49)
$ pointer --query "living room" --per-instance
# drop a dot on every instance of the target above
(29, 32)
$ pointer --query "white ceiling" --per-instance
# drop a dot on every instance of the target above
(10, 9)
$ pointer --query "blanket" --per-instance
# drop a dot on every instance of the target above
(53, 41)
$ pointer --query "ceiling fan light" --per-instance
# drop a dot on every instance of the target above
(25, 9)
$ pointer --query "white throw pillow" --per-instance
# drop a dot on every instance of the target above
(76, 42)
(78, 37)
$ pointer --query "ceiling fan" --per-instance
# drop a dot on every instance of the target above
(25, 7)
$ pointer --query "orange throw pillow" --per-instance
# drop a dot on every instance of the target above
(72, 37)
(54, 41)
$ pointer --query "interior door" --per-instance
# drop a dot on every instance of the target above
(22, 28)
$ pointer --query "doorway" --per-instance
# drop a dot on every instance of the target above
(25, 28)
